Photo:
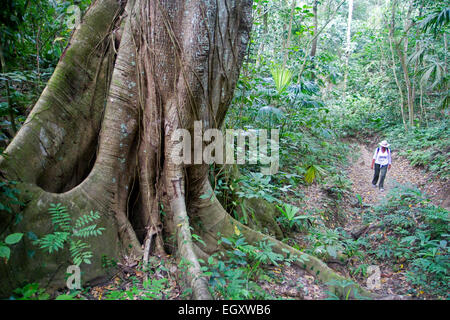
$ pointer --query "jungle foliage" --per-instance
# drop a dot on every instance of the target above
(297, 77)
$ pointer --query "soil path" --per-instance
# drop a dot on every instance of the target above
(360, 174)
(401, 172)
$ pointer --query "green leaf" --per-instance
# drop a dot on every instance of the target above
(282, 78)
(13, 238)
(226, 241)
(64, 297)
(4, 252)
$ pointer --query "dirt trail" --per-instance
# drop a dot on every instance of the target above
(401, 172)
(361, 175)
(295, 283)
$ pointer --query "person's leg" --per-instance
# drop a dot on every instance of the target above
(376, 174)
(383, 171)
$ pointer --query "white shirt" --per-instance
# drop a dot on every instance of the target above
(382, 158)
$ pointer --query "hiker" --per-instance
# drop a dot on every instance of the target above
(382, 162)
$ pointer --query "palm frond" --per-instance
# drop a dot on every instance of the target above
(436, 20)
(282, 78)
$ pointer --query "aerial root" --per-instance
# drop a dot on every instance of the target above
(198, 283)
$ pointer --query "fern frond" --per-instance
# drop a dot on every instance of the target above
(60, 217)
(53, 241)
(87, 218)
(65, 232)
(78, 254)
(88, 231)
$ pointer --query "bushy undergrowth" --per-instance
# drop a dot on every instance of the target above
(416, 234)
(411, 237)
(310, 149)
(428, 147)
(237, 272)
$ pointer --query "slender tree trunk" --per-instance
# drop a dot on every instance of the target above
(422, 108)
(394, 64)
(416, 65)
(445, 72)
(288, 40)
(8, 94)
(313, 51)
(445, 53)
(263, 37)
(316, 24)
(348, 42)
(403, 54)
(307, 48)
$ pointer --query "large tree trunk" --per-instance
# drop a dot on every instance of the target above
(52, 154)
(100, 137)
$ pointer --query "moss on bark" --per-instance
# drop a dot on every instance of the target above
(261, 216)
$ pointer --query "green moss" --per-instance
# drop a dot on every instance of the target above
(261, 216)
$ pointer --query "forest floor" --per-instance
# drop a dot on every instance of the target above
(292, 282)
(349, 215)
